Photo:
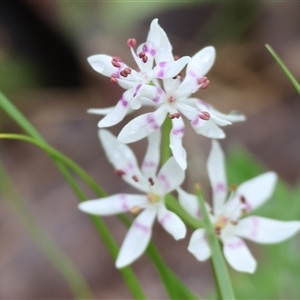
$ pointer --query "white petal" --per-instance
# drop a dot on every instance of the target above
(151, 160)
(158, 37)
(189, 202)
(199, 65)
(137, 238)
(171, 223)
(153, 93)
(101, 63)
(176, 136)
(258, 190)
(238, 255)
(165, 69)
(100, 111)
(217, 176)
(118, 113)
(203, 127)
(265, 231)
(170, 176)
(198, 245)
(202, 61)
(114, 204)
(142, 126)
(123, 159)
(220, 118)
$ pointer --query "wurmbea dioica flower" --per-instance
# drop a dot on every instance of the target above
(226, 216)
(149, 205)
(157, 48)
(161, 86)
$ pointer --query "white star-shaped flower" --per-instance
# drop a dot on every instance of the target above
(151, 204)
(175, 100)
(226, 216)
(156, 49)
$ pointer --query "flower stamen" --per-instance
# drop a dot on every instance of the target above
(204, 82)
(135, 209)
(204, 115)
(151, 181)
(119, 172)
(174, 115)
(131, 43)
(134, 177)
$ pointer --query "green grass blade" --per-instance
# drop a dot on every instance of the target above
(284, 68)
(219, 265)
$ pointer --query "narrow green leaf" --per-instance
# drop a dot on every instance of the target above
(219, 265)
(284, 68)
(165, 140)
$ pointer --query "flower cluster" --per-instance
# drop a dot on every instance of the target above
(158, 83)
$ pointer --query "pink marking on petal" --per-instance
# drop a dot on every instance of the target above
(248, 206)
(160, 74)
(152, 123)
(149, 164)
(162, 64)
(164, 180)
(152, 52)
(235, 245)
(196, 121)
(255, 228)
(143, 228)
(203, 103)
(124, 204)
(159, 91)
(137, 89)
(165, 217)
(220, 187)
(192, 74)
(179, 131)
(124, 102)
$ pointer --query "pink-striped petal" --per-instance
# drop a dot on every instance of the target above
(264, 230)
(124, 160)
(170, 176)
(142, 126)
(199, 66)
(238, 255)
(198, 245)
(217, 176)
(151, 160)
(137, 238)
(112, 205)
(176, 136)
(118, 113)
(171, 222)
(169, 69)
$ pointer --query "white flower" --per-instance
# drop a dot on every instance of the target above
(226, 215)
(155, 188)
(157, 48)
(174, 100)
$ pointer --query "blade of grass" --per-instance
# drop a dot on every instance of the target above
(284, 68)
(219, 265)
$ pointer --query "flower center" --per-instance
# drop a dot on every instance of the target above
(221, 223)
(153, 198)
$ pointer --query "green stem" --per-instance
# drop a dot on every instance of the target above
(128, 275)
(53, 253)
(219, 265)
(284, 68)
(165, 141)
